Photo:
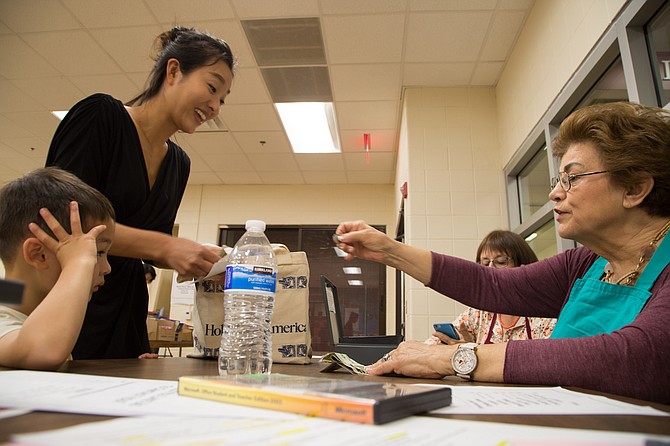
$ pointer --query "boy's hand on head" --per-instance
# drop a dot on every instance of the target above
(68, 247)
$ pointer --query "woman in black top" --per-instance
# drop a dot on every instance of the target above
(125, 152)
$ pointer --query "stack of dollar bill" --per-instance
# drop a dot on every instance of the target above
(343, 361)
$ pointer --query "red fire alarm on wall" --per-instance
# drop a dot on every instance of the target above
(403, 189)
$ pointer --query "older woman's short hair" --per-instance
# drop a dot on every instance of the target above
(633, 142)
(509, 243)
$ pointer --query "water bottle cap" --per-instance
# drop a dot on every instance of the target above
(255, 225)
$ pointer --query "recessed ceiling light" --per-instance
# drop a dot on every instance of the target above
(355, 282)
(310, 126)
(60, 114)
(351, 270)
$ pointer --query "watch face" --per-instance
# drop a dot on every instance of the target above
(464, 361)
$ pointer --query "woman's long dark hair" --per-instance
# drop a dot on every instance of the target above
(192, 48)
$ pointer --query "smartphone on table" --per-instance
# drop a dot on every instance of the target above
(447, 328)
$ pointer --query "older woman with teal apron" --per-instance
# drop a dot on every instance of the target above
(596, 306)
(611, 295)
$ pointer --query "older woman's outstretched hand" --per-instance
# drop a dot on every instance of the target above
(358, 239)
(416, 359)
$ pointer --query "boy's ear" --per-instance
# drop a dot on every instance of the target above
(636, 194)
(35, 253)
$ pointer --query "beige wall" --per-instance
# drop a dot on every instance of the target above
(556, 38)
(449, 157)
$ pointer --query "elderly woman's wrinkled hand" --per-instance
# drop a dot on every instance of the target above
(416, 359)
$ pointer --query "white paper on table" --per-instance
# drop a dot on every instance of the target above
(105, 395)
(537, 401)
(412, 431)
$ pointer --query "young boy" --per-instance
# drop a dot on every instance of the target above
(55, 233)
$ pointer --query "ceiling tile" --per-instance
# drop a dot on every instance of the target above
(364, 38)
(253, 9)
(452, 5)
(366, 82)
(250, 117)
(229, 163)
(368, 115)
(437, 74)
(203, 178)
(15, 100)
(12, 126)
(281, 177)
(118, 85)
(212, 143)
(104, 14)
(263, 142)
(26, 63)
(36, 15)
(34, 148)
(122, 44)
(486, 73)
(363, 6)
(180, 12)
(319, 177)
(54, 93)
(369, 177)
(502, 35)
(374, 161)
(320, 161)
(445, 37)
(57, 47)
(248, 177)
(41, 124)
(273, 161)
(231, 32)
(248, 88)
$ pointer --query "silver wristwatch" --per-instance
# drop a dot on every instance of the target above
(464, 360)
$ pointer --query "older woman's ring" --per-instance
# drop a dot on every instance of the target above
(387, 357)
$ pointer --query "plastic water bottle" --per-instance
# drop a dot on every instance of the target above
(248, 300)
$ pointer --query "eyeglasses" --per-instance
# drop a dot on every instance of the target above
(565, 179)
(498, 262)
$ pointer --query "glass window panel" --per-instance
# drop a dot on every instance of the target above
(611, 87)
(658, 35)
(533, 183)
(363, 306)
(543, 241)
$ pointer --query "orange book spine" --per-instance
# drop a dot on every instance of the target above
(360, 411)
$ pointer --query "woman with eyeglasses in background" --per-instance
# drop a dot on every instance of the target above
(499, 249)
(611, 296)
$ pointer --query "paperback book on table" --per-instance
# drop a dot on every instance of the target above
(347, 400)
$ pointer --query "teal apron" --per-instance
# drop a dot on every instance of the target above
(596, 307)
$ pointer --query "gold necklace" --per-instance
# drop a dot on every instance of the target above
(646, 254)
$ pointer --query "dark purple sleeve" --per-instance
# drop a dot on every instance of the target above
(632, 361)
(537, 290)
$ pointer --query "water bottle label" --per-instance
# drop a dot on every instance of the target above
(254, 278)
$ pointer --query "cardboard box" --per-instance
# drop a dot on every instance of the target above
(166, 330)
(184, 333)
(152, 328)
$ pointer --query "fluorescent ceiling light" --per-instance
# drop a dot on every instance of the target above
(310, 126)
(531, 237)
(60, 114)
(351, 270)
(355, 282)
